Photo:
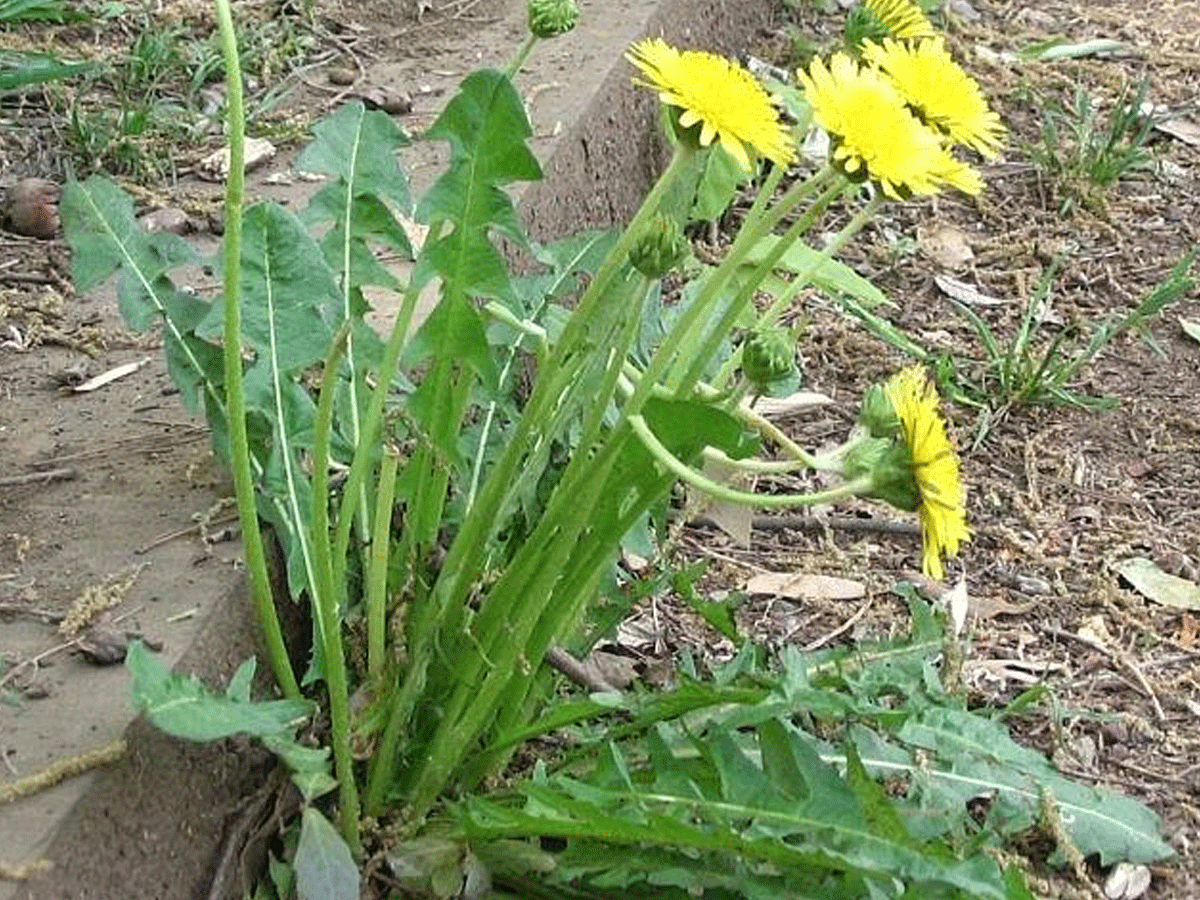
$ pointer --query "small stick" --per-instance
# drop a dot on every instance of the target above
(568, 665)
(182, 532)
(43, 477)
(34, 660)
(841, 629)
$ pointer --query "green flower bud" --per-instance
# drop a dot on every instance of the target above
(886, 461)
(660, 248)
(550, 18)
(877, 414)
(768, 357)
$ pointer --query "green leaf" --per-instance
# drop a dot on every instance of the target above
(793, 814)
(324, 868)
(486, 127)
(719, 181)
(183, 706)
(359, 148)
(831, 276)
(287, 287)
(965, 756)
(105, 238)
(686, 427)
(19, 69)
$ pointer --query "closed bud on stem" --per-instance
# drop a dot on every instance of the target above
(550, 18)
(660, 248)
(768, 357)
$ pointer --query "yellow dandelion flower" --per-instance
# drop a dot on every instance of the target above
(939, 91)
(901, 19)
(934, 466)
(874, 134)
(718, 95)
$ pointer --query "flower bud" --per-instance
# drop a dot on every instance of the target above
(768, 358)
(550, 18)
(660, 248)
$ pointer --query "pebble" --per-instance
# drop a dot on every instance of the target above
(31, 208)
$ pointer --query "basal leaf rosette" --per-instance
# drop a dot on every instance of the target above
(934, 466)
(940, 93)
(875, 135)
(715, 98)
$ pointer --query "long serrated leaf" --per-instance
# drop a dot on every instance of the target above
(737, 807)
(486, 127)
(951, 757)
(359, 148)
(977, 751)
(324, 867)
(185, 707)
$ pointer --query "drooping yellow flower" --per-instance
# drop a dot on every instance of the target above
(874, 134)
(717, 94)
(942, 94)
(901, 19)
(934, 466)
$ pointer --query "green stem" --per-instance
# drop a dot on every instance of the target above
(328, 597)
(730, 495)
(700, 358)
(465, 560)
(523, 54)
(381, 544)
(802, 278)
(759, 223)
(239, 441)
(373, 422)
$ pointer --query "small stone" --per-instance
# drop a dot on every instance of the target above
(340, 75)
(167, 220)
(31, 208)
(393, 102)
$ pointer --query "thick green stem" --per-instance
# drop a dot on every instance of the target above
(727, 494)
(328, 599)
(239, 442)
(381, 544)
(677, 348)
(700, 357)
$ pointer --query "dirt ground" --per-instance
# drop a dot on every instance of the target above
(1058, 496)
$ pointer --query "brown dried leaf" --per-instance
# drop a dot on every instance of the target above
(805, 585)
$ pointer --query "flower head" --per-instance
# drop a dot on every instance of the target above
(717, 95)
(901, 19)
(934, 467)
(874, 134)
(942, 94)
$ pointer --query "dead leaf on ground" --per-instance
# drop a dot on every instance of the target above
(735, 519)
(1154, 584)
(1191, 327)
(965, 293)
(215, 166)
(805, 585)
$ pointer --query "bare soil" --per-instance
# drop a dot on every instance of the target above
(1058, 495)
